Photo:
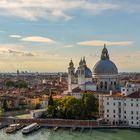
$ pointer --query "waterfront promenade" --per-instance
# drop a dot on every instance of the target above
(62, 123)
(53, 122)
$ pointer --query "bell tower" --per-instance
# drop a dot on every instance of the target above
(71, 73)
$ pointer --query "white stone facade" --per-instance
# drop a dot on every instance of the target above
(120, 110)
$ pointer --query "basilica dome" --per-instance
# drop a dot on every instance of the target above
(105, 66)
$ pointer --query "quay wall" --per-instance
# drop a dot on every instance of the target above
(53, 122)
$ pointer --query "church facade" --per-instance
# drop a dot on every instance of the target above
(103, 78)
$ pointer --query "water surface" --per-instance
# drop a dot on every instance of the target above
(61, 134)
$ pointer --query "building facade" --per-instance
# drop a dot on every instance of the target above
(120, 109)
(103, 78)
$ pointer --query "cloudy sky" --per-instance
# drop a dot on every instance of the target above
(43, 35)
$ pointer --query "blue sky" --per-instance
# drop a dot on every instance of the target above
(43, 35)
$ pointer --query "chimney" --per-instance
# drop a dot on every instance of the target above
(110, 92)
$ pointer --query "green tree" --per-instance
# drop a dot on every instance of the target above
(91, 104)
(50, 100)
(21, 84)
(9, 83)
(71, 108)
(5, 106)
(51, 111)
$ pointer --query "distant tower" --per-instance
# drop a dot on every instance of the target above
(17, 72)
(81, 72)
(71, 75)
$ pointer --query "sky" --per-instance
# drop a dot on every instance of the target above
(43, 35)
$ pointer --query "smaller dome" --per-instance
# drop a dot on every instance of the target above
(88, 73)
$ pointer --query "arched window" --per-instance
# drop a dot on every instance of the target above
(105, 84)
(101, 84)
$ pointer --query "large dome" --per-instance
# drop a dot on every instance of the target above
(105, 66)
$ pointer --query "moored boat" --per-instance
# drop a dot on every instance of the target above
(30, 128)
(13, 128)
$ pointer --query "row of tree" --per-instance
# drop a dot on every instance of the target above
(72, 108)
(16, 84)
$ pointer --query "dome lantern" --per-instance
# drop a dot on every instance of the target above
(104, 54)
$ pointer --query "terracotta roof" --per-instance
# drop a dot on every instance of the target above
(134, 95)
(77, 89)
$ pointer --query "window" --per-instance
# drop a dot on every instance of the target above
(125, 117)
(137, 105)
(132, 122)
(131, 104)
(114, 104)
(132, 117)
(119, 103)
(107, 110)
(113, 111)
(125, 112)
(137, 118)
(137, 112)
(114, 116)
(107, 103)
(119, 110)
(131, 112)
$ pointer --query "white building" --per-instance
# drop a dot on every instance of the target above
(118, 109)
(103, 78)
(130, 88)
(81, 78)
(37, 113)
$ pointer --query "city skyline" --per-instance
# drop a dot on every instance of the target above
(44, 36)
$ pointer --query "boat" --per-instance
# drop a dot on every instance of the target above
(56, 128)
(13, 128)
(30, 128)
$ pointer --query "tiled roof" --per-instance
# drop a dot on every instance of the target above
(77, 89)
(134, 95)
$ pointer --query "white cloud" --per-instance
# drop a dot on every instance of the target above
(6, 47)
(15, 36)
(18, 53)
(37, 39)
(108, 43)
(50, 9)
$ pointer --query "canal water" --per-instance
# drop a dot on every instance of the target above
(61, 134)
